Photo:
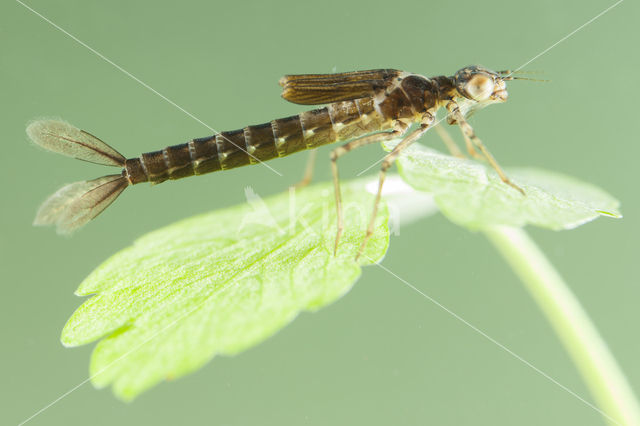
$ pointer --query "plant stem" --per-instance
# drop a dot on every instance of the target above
(577, 333)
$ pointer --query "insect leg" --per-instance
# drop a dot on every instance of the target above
(470, 149)
(389, 159)
(308, 170)
(338, 152)
(449, 142)
(467, 130)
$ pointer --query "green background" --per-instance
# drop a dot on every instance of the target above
(383, 354)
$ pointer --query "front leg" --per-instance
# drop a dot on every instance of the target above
(467, 130)
(449, 142)
(470, 149)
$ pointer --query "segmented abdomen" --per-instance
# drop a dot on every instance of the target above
(338, 121)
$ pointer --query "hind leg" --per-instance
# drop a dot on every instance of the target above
(390, 158)
(308, 170)
(338, 152)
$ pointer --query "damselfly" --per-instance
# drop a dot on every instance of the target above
(363, 107)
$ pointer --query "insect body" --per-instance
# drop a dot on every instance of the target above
(363, 107)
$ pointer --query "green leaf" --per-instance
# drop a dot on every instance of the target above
(219, 283)
(471, 194)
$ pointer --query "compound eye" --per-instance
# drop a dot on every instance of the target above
(479, 87)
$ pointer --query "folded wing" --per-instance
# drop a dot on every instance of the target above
(317, 89)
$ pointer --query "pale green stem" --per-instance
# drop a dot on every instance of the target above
(577, 333)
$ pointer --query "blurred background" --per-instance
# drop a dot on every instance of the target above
(383, 354)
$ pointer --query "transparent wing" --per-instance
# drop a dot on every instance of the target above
(65, 139)
(73, 205)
